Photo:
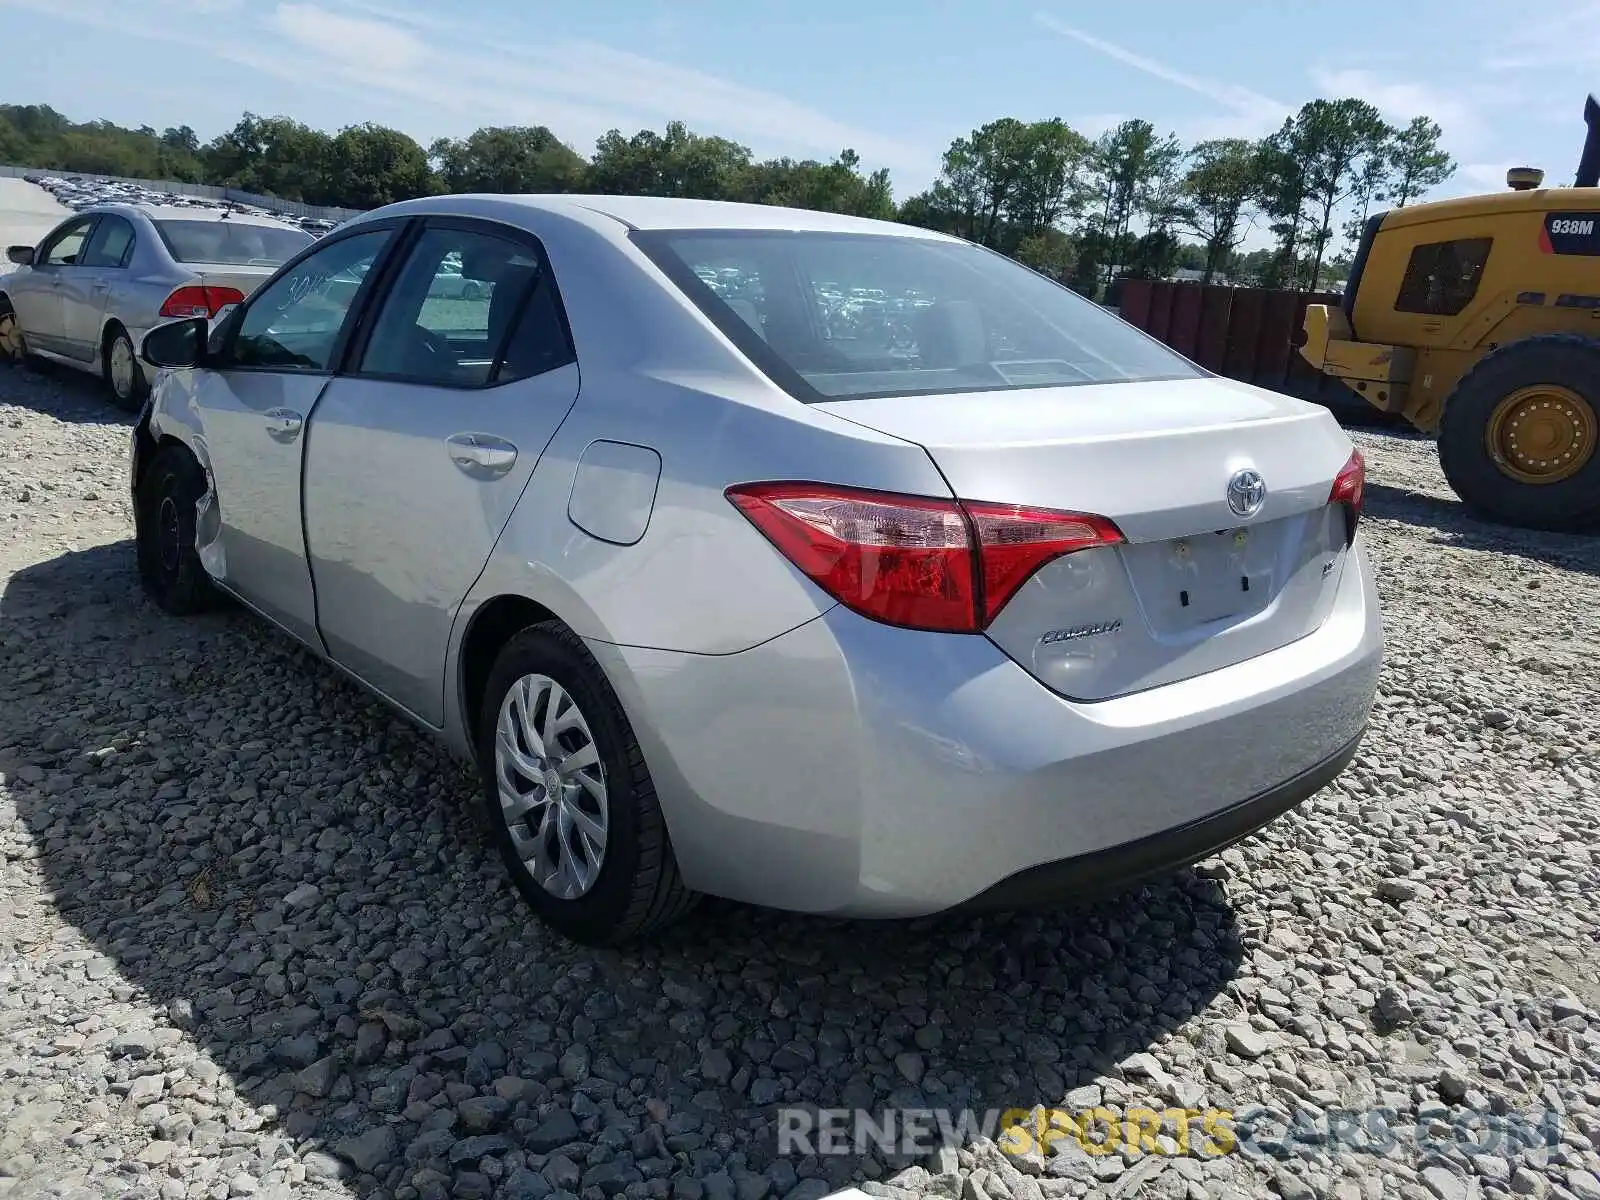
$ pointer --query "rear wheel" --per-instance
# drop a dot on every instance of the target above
(569, 797)
(1517, 441)
(123, 376)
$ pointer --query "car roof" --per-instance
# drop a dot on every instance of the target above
(174, 212)
(667, 212)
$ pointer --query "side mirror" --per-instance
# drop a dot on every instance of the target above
(176, 346)
(21, 255)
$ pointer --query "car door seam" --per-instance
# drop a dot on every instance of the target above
(305, 527)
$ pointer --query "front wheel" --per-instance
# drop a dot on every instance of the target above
(569, 797)
(164, 536)
(1517, 439)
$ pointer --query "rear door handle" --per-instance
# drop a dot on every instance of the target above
(284, 424)
(100, 288)
(481, 454)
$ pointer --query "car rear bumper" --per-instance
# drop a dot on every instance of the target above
(858, 770)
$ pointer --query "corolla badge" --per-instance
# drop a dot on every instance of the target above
(1073, 634)
(1247, 492)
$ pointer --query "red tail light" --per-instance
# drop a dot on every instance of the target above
(198, 300)
(914, 561)
(1350, 490)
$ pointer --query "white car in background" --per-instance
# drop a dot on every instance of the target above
(86, 295)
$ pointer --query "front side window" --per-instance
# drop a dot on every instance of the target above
(230, 242)
(66, 245)
(111, 245)
(459, 314)
(293, 323)
(1442, 277)
(834, 316)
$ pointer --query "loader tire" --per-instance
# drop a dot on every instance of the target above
(1517, 439)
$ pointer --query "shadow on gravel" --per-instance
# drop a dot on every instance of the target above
(1455, 525)
(69, 395)
(299, 884)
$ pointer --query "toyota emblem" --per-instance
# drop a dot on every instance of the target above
(1247, 492)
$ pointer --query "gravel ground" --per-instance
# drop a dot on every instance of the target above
(252, 941)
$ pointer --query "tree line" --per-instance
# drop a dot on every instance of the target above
(1131, 202)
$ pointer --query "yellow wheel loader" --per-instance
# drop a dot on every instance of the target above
(1478, 321)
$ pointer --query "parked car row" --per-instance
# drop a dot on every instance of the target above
(79, 193)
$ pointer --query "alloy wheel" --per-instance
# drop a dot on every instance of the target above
(551, 786)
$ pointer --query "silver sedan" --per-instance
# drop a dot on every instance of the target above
(972, 596)
(88, 293)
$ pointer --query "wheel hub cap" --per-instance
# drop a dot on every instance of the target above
(121, 368)
(10, 336)
(551, 786)
(1542, 434)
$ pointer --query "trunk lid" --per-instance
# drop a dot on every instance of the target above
(1195, 587)
(245, 279)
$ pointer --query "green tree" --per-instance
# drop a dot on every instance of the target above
(1135, 169)
(1224, 180)
(1416, 163)
(511, 160)
(275, 156)
(675, 163)
(1323, 156)
(1007, 181)
(838, 186)
(371, 165)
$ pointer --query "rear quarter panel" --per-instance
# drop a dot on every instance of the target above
(655, 373)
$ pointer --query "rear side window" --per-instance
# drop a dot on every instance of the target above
(231, 243)
(468, 309)
(111, 245)
(1442, 277)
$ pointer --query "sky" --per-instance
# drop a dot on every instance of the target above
(894, 79)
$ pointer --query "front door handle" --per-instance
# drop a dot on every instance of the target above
(100, 288)
(481, 454)
(284, 424)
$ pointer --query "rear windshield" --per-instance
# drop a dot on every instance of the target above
(232, 243)
(841, 316)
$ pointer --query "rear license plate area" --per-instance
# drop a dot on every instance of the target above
(1186, 583)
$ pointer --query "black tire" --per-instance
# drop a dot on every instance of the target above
(1570, 361)
(9, 352)
(164, 512)
(131, 400)
(638, 889)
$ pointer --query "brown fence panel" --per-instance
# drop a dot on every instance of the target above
(1135, 300)
(1244, 333)
(1211, 346)
(1273, 351)
(1160, 311)
(1185, 328)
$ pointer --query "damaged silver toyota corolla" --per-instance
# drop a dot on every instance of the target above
(800, 559)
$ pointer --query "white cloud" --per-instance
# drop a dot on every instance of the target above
(363, 43)
(453, 76)
(1248, 112)
(1457, 110)
(1556, 38)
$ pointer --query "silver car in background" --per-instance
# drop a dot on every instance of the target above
(87, 294)
(817, 562)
